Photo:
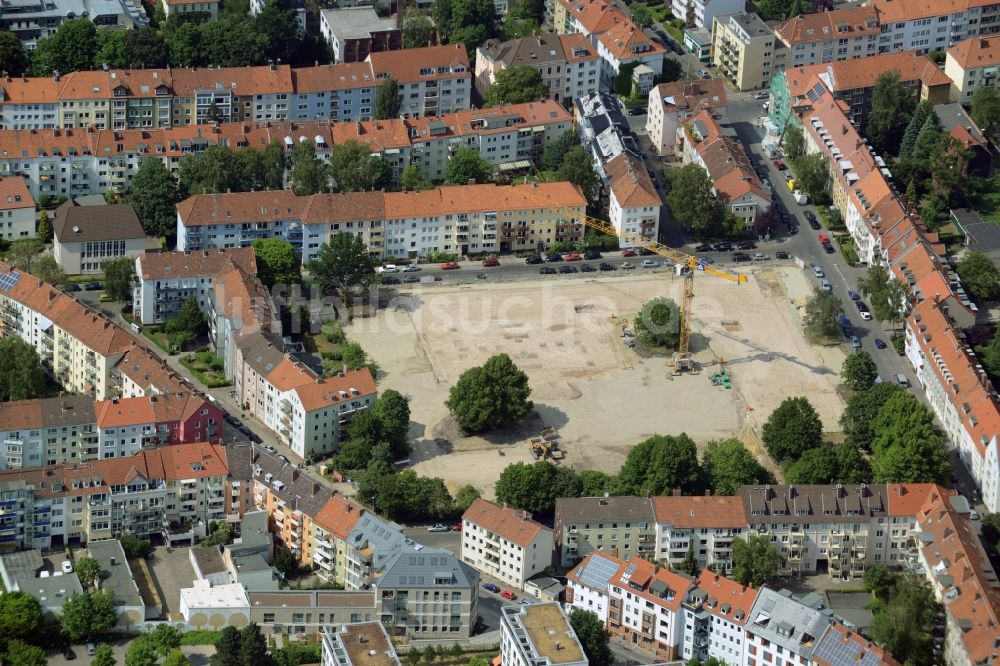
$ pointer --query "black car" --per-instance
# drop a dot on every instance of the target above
(723, 247)
(829, 248)
(553, 258)
(662, 34)
(68, 653)
(811, 216)
(704, 247)
(741, 256)
(390, 280)
(747, 245)
(93, 286)
(587, 268)
(637, 111)
(676, 48)
(546, 270)
(568, 269)
(604, 267)
(781, 254)
(534, 259)
(792, 230)
(72, 286)
(591, 254)
(814, 223)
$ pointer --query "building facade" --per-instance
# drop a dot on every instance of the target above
(841, 34)
(932, 26)
(17, 210)
(971, 64)
(569, 64)
(703, 12)
(84, 237)
(620, 526)
(633, 201)
(538, 634)
(505, 543)
(743, 48)
(670, 104)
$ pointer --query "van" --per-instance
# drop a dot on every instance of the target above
(902, 380)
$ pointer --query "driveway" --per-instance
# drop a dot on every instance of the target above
(171, 571)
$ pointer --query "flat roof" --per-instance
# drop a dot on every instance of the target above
(118, 576)
(367, 645)
(550, 633)
(204, 595)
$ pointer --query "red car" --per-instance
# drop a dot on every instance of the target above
(573, 256)
(823, 239)
(508, 595)
(457, 527)
(449, 265)
(490, 262)
(779, 165)
(628, 253)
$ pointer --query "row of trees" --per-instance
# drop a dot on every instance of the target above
(886, 299)
(905, 611)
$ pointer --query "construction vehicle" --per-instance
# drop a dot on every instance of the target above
(544, 450)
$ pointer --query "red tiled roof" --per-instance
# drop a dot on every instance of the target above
(124, 412)
(727, 593)
(698, 511)
(14, 194)
(976, 52)
(905, 499)
(514, 525)
(644, 573)
(846, 23)
(339, 515)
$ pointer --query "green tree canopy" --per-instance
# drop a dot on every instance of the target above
(816, 466)
(578, 169)
(862, 409)
(175, 658)
(661, 465)
(692, 200)
(991, 355)
(20, 653)
(859, 371)
(727, 465)
(89, 571)
(392, 410)
(104, 656)
(659, 323)
(755, 561)
(307, 174)
(491, 396)
(165, 637)
(902, 621)
(44, 232)
(278, 23)
(554, 153)
(593, 635)
(468, 165)
(20, 616)
(141, 652)
(886, 295)
(980, 276)
(12, 58)
(412, 178)
(70, 49)
(355, 169)
(387, 100)
(465, 496)
(535, 487)
(227, 648)
(469, 22)
(344, 264)
(118, 278)
(596, 483)
(87, 614)
(892, 104)
(986, 109)
(23, 253)
(907, 447)
(47, 269)
(253, 646)
(792, 429)
(778, 10)
(812, 176)
(689, 564)
(133, 546)
(277, 262)
(641, 15)
(517, 85)
(418, 31)
(21, 374)
(821, 316)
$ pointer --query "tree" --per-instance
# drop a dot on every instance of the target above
(673, 70)
(153, 194)
(692, 200)
(354, 169)
(19, 653)
(862, 409)
(792, 429)
(189, 319)
(661, 465)
(727, 465)
(593, 635)
(491, 396)
(466, 166)
(821, 315)
(44, 232)
(412, 178)
(880, 580)
(465, 496)
(813, 176)
(689, 564)
(554, 153)
(104, 656)
(596, 483)
(175, 658)
(979, 276)
(859, 371)
(852, 466)
(307, 175)
(393, 413)
(816, 466)
(917, 120)
(641, 15)
(387, 100)
(20, 616)
(794, 144)
(12, 59)
(278, 22)
(887, 296)
(986, 109)
(21, 374)
(535, 487)
(902, 621)
(47, 270)
(23, 253)
(469, 22)
(89, 571)
(87, 614)
(906, 445)
(418, 31)
(578, 169)
(659, 323)
(892, 104)
(70, 49)
(118, 278)
(141, 652)
(165, 637)
(344, 264)
(277, 262)
(227, 648)
(273, 165)
(777, 10)
(134, 547)
(990, 530)
(754, 560)
(253, 646)
(516, 85)
(285, 562)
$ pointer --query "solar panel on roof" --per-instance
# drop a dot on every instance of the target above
(598, 572)
(8, 280)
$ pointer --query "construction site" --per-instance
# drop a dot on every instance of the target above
(592, 390)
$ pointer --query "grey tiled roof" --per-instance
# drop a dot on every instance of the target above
(300, 490)
(596, 509)
(815, 503)
(416, 566)
(781, 618)
(384, 538)
(68, 410)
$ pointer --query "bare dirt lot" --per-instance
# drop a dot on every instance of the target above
(602, 396)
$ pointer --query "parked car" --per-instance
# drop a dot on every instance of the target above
(437, 527)
(628, 253)
(93, 286)
(546, 270)
(704, 247)
(587, 268)
(741, 257)
(72, 286)
(761, 95)
(746, 245)
(880, 343)
(573, 256)
(533, 259)
(902, 380)
(508, 595)
(792, 230)
(706, 260)
(605, 267)
(823, 238)
(973, 514)
(567, 269)
(761, 256)
(282, 459)
(723, 247)
(781, 254)
(390, 280)
(412, 268)
(591, 254)
(490, 587)
(389, 268)
(703, 73)
(450, 266)
(855, 342)
(779, 165)
(491, 262)
(637, 111)
(826, 286)
(811, 216)
(829, 248)
(457, 527)
(818, 272)
(67, 567)
(627, 265)
(853, 295)
(68, 654)
(648, 263)
(814, 223)
(866, 314)
(91, 649)
(104, 298)
(410, 279)
(553, 258)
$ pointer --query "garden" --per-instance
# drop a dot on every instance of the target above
(207, 368)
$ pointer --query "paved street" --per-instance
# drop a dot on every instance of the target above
(198, 655)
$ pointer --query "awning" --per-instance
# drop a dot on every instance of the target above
(515, 166)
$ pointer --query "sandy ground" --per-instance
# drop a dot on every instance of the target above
(603, 397)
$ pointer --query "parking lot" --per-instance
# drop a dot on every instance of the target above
(171, 571)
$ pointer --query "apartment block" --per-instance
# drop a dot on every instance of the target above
(47, 431)
(603, 129)
(703, 12)
(633, 201)
(706, 525)
(33, 20)
(538, 634)
(645, 607)
(209, 7)
(17, 210)
(362, 644)
(466, 219)
(433, 80)
(355, 32)
(928, 25)
(972, 64)
(716, 610)
(784, 627)
(569, 64)
(505, 543)
(84, 237)
(743, 48)
(129, 425)
(620, 526)
(670, 104)
(841, 34)
(703, 141)
(587, 583)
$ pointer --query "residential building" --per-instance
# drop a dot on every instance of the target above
(633, 202)
(704, 524)
(210, 7)
(505, 543)
(17, 209)
(86, 236)
(703, 12)
(355, 32)
(840, 643)
(603, 129)
(670, 104)
(957, 123)
(116, 577)
(369, 547)
(971, 64)
(333, 526)
(928, 25)
(743, 48)
(977, 234)
(645, 607)
(128, 425)
(47, 431)
(569, 64)
(433, 81)
(538, 635)
(33, 19)
(782, 626)
(466, 219)
(361, 644)
(716, 610)
(703, 141)
(699, 42)
(620, 526)
(587, 583)
(841, 34)
(21, 571)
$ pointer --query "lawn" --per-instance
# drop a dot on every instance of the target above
(200, 637)
(848, 250)
(207, 368)
(159, 338)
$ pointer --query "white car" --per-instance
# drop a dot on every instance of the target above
(866, 315)
(437, 527)
(762, 95)
(412, 268)
(67, 566)
(973, 514)
(390, 268)
(818, 272)
(648, 263)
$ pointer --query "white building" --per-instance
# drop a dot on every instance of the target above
(505, 543)
(538, 635)
(670, 104)
(645, 607)
(33, 19)
(784, 627)
(933, 26)
(708, 525)
(587, 584)
(841, 34)
(354, 32)
(84, 237)
(433, 80)
(17, 210)
(705, 10)
(715, 613)
(971, 64)
(634, 204)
